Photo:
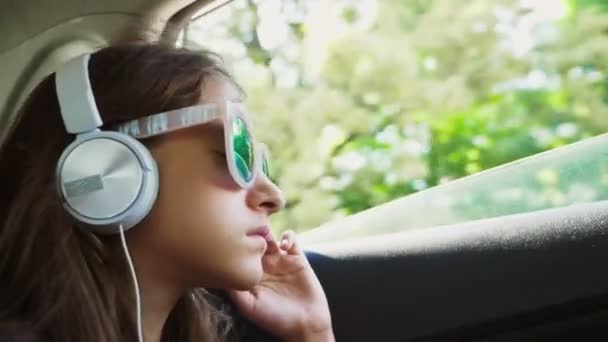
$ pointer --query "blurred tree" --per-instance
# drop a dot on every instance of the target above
(366, 101)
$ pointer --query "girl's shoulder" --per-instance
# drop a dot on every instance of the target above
(17, 331)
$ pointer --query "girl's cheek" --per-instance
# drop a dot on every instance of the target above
(225, 180)
(222, 173)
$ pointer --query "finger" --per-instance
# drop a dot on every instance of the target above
(273, 247)
(287, 238)
(289, 242)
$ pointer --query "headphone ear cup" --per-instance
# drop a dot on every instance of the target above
(107, 179)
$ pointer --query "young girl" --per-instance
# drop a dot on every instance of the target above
(206, 228)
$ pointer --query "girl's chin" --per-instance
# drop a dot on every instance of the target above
(247, 276)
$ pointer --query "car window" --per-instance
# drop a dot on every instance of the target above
(366, 102)
(573, 174)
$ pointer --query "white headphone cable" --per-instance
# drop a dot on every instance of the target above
(135, 284)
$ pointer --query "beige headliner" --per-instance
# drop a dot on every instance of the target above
(39, 35)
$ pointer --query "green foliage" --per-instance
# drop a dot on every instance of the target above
(379, 107)
(593, 4)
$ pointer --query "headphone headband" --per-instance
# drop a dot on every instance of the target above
(75, 95)
(106, 180)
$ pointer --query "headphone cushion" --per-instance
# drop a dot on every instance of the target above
(107, 179)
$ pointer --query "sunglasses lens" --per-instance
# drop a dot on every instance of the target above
(243, 149)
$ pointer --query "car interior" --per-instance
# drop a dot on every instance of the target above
(404, 270)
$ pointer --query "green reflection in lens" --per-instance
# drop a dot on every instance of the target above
(243, 149)
(265, 166)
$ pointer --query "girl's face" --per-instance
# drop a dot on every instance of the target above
(199, 232)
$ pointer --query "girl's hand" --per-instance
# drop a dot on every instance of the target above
(289, 301)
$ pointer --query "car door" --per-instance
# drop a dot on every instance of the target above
(525, 276)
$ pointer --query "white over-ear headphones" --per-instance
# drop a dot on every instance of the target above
(105, 179)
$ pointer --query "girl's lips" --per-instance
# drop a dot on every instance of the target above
(263, 231)
(262, 234)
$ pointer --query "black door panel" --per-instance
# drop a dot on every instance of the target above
(479, 280)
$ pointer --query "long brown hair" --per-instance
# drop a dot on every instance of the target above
(64, 282)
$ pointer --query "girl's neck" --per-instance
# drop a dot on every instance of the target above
(159, 290)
